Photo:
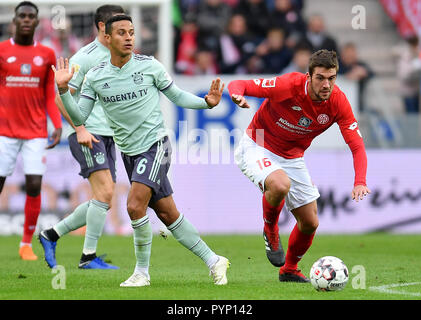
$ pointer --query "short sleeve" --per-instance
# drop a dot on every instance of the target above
(88, 91)
(79, 73)
(162, 78)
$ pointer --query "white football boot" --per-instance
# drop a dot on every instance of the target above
(219, 271)
(137, 279)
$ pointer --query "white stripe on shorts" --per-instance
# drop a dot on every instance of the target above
(157, 162)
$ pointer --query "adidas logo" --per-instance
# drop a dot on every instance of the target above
(105, 86)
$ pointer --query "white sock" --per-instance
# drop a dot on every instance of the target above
(144, 270)
(25, 244)
(212, 260)
(88, 251)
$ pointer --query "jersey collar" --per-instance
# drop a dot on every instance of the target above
(123, 68)
(12, 42)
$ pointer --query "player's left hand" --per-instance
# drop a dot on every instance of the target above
(55, 137)
(359, 192)
(215, 93)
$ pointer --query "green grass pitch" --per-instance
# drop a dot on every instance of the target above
(391, 264)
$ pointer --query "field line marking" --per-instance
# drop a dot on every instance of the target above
(387, 288)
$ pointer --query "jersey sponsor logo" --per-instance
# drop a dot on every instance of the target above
(38, 61)
(11, 59)
(25, 69)
(269, 83)
(257, 82)
(304, 122)
(30, 82)
(137, 77)
(125, 96)
(323, 118)
(284, 124)
(296, 108)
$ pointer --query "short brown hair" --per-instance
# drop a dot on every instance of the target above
(323, 58)
(120, 17)
(105, 12)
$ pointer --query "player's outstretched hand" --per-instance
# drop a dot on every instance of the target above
(359, 192)
(55, 137)
(84, 137)
(62, 74)
(215, 93)
(240, 101)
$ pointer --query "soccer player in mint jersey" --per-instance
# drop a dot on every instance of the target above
(26, 96)
(129, 86)
(93, 147)
(297, 108)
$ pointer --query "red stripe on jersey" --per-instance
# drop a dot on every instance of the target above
(26, 90)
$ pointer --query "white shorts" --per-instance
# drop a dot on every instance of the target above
(33, 155)
(257, 163)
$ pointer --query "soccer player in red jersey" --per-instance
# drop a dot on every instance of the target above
(298, 107)
(27, 93)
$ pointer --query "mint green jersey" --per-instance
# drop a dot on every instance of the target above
(130, 98)
(86, 58)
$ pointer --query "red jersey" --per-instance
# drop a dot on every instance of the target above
(27, 90)
(288, 119)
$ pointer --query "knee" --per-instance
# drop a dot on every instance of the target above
(105, 195)
(310, 225)
(168, 217)
(278, 187)
(136, 209)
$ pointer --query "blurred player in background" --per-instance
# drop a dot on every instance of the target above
(93, 147)
(129, 87)
(298, 107)
(26, 96)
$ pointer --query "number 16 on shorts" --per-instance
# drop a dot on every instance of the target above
(264, 163)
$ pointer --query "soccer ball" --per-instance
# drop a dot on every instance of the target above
(329, 274)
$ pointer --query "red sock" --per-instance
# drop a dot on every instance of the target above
(298, 245)
(271, 214)
(32, 210)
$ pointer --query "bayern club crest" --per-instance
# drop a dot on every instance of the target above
(137, 77)
(323, 118)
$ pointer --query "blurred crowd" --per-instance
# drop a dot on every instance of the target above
(247, 37)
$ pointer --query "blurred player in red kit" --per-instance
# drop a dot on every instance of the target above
(298, 107)
(27, 93)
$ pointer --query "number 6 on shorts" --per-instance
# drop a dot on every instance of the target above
(141, 166)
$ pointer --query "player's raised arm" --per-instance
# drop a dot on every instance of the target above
(77, 112)
(188, 100)
(62, 74)
(215, 93)
(276, 89)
